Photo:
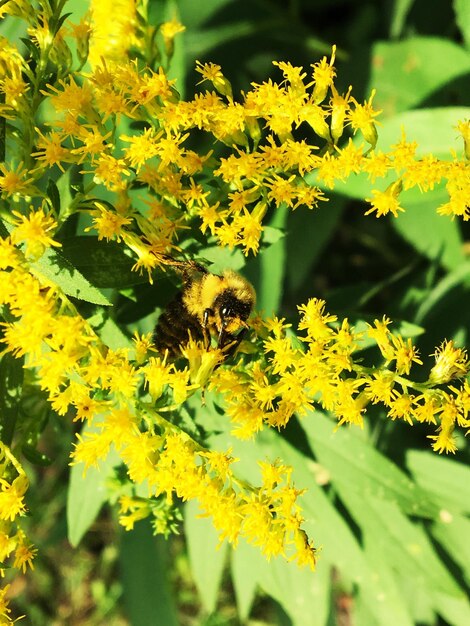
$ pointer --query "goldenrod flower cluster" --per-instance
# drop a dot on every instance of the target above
(101, 385)
(120, 126)
(15, 549)
(327, 372)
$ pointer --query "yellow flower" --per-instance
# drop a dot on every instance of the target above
(428, 406)
(350, 158)
(33, 230)
(305, 551)
(462, 398)
(403, 153)
(315, 116)
(315, 321)
(220, 463)
(111, 172)
(15, 180)
(339, 107)
(114, 24)
(90, 449)
(180, 385)
(4, 608)
(380, 387)
(51, 151)
(170, 29)
(451, 363)
(380, 333)
(143, 345)
(362, 118)
(70, 97)
(402, 407)
(330, 169)
(24, 553)
(464, 129)
(9, 256)
(109, 224)
(444, 441)
(323, 76)
(213, 73)
(12, 498)
(376, 164)
(404, 354)
(384, 202)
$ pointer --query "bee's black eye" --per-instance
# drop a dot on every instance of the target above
(225, 311)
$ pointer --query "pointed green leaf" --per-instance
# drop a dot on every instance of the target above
(434, 236)
(207, 557)
(247, 571)
(389, 607)
(403, 542)
(338, 547)
(87, 492)
(462, 15)
(104, 264)
(455, 611)
(53, 195)
(407, 72)
(145, 569)
(11, 385)
(452, 532)
(60, 271)
(352, 460)
(446, 480)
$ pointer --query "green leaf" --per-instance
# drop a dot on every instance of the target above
(35, 456)
(53, 195)
(406, 72)
(272, 235)
(441, 295)
(11, 386)
(323, 522)
(247, 571)
(222, 259)
(402, 542)
(195, 15)
(60, 271)
(206, 555)
(145, 568)
(309, 233)
(352, 461)
(63, 186)
(110, 333)
(177, 66)
(452, 532)
(86, 494)
(199, 43)
(390, 607)
(432, 129)
(455, 611)
(446, 480)
(267, 271)
(104, 264)
(400, 10)
(436, 237)
(298, 590)
(462, 17)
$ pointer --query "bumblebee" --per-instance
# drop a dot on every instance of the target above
(208, 306)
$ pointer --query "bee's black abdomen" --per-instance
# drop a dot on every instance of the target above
(174, 327)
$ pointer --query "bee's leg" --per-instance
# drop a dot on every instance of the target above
(205, 328)
(230, 348)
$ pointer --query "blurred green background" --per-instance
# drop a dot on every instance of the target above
(401, 554)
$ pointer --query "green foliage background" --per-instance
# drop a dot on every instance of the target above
(392, 516)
